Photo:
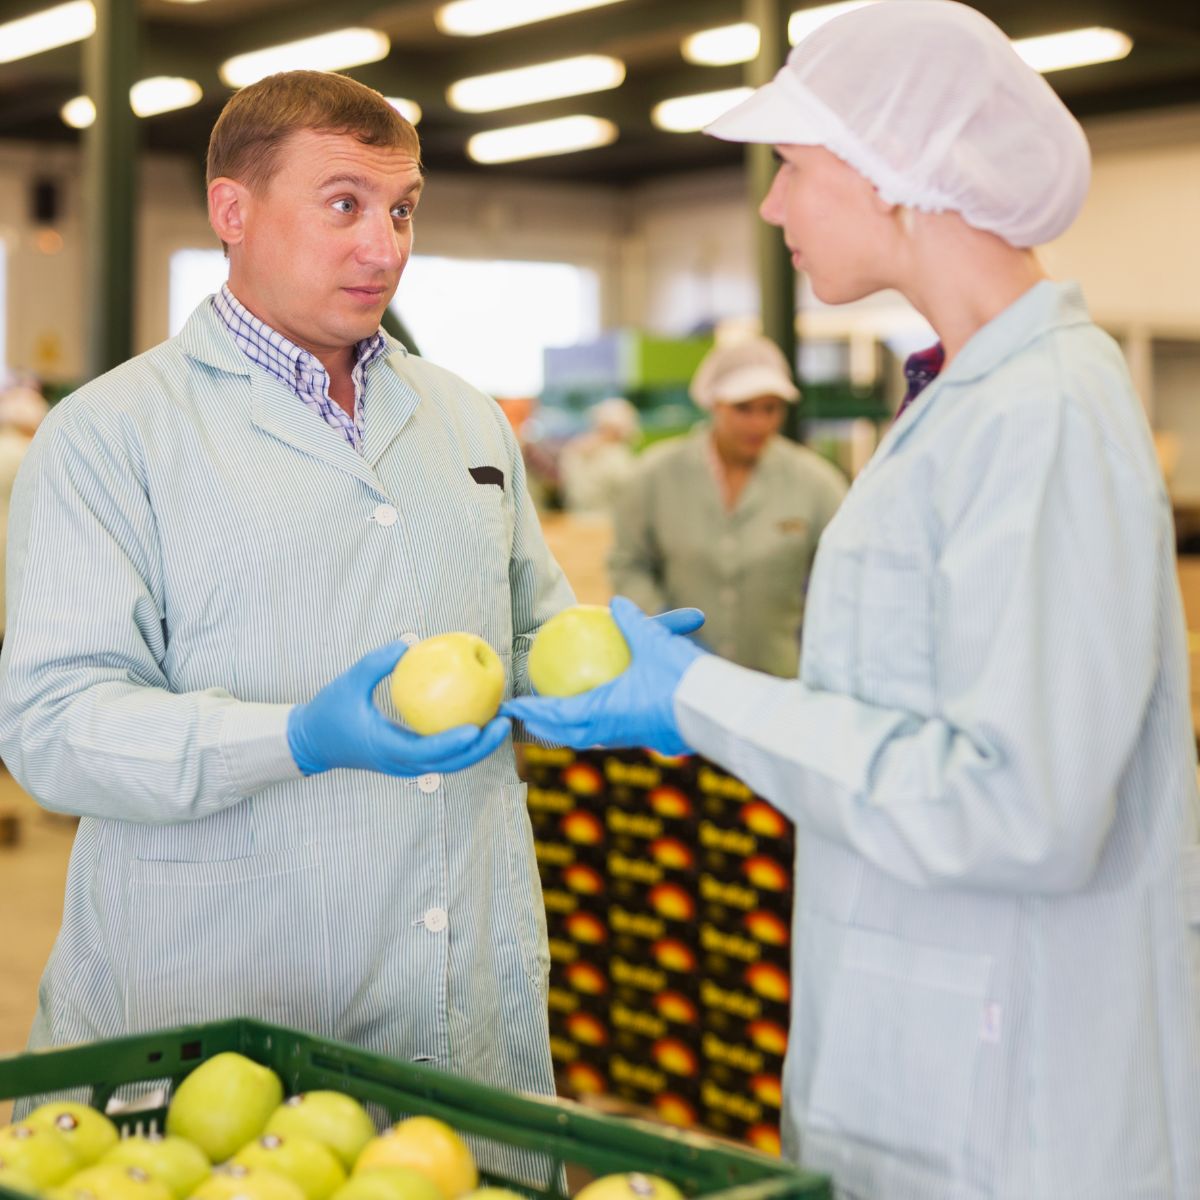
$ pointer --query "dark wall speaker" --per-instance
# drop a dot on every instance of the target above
(45, 202)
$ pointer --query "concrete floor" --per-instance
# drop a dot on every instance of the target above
(32, 876)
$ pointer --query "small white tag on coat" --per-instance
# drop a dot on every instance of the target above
(989, 1026)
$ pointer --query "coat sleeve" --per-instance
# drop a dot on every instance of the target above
(89, 724)
(1045, 646)
(635, 562)
(537, 584)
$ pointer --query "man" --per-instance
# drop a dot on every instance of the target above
(730, 516)
(209, 534)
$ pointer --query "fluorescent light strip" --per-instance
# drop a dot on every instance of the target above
(685, 114)
(1073, 48)
(147, 98)
(410, 110)
(531, 85)
(722, 46)
(47, 30)
(562, 136)
(471, 18)
(326, 52)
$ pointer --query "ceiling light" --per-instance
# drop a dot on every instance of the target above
(470, 18)
(326, 52)
(683, 114)
(78, 113)
(804, 20)
(1073, 48)
(531, 85)
(722, 46)
(46, 30)
(163, 93)
(410, 110)
(561, 136)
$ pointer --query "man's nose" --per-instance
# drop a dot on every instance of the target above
(381, 244)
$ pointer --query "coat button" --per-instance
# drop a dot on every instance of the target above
(410, 638)
(429, 783)
(436, 920)
(385, 514)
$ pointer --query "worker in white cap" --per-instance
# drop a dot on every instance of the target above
(730, 514)
(22, 408)
(596, 464)
(989, 753)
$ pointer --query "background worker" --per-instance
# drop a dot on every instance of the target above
(989, 754)
(595, 465)
(730, 514)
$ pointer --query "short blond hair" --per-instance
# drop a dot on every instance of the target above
(258, 120)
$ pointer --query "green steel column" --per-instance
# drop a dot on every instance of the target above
(109, 185)
(776, 277)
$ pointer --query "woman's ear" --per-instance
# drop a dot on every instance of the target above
(226, 209)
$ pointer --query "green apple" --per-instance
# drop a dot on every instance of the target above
(493, 1193)
(40, 1152)
(89, 1131)
(16, 1181)
(576, 650)
(448, 680)
(631, 1186)
(331, 1118)
(111, 1181)
(428, 1145)
(223, 1104)
(389, 1183)
(175, 1161)
(241, 1183)
(312, 1165)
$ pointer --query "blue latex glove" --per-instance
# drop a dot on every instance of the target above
(635, 709)
(680, 620)
(341, 727)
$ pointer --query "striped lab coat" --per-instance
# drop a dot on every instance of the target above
(192, 552)
(990, 760)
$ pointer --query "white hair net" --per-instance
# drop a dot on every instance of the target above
(733, 372)
(929, 101)
(616, 414)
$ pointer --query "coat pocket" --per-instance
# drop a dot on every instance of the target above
(896, 1062)
(245, 936)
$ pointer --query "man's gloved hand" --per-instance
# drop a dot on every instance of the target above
(635, 709)
(341, 727)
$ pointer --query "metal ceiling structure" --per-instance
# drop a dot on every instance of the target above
(192, 39)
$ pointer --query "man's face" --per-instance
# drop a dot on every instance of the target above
(324, 244)
(830, 216)
(742, 431)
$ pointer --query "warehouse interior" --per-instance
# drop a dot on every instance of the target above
(551, 282)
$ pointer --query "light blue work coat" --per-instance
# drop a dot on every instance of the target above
(192, 551)
(990, 757)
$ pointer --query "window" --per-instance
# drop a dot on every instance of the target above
(489, 321)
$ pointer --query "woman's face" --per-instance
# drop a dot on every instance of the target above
(833, 222)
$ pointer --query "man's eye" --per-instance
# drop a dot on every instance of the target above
(402, 212)
(344, 206)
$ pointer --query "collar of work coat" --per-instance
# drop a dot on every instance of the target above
(278, 411)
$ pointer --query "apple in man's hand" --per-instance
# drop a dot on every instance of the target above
(448, 680)
(576, 650)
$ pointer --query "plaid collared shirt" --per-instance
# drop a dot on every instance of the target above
(297, 368)
(920, 370)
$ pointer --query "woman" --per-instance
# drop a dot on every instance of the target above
(989, 751)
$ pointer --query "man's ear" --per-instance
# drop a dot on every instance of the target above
(227, 209)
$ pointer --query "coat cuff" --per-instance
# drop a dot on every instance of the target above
(254, 747)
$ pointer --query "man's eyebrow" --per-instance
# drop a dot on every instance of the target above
(364, 184)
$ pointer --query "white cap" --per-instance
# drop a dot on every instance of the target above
(737, 371)
(23, 408)
(929, 101)
(616, 414)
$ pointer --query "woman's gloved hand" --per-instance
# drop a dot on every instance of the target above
(635, 709)
(341, 727)
(680, 620)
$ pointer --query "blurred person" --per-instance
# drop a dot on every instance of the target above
(730, 514)
(989, 755)
(22, 408)
(595, 465)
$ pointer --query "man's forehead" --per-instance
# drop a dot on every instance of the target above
(329, 156)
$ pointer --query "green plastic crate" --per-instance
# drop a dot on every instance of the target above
(566, 1133)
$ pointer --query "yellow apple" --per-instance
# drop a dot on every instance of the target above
(90, 1133)
(175, 1161)
(16, 1181)
(335, 1120)
(448, 680)
(308, 1163)
(631, 1186)
(427, 1145)
(576, 650)
(111, 1181)
(241, 1183)
(224, 1103)
(40, 1152)
(389, 1183)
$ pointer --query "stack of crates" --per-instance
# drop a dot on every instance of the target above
(668, 888)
